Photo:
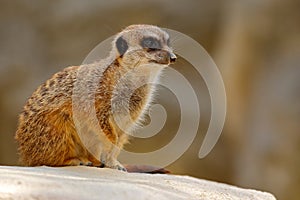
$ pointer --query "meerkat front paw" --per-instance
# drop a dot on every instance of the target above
(112, 163)
(117, 166)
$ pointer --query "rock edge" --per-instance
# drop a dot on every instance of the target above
(95, 183)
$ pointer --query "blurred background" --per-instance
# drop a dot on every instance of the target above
(255, 44)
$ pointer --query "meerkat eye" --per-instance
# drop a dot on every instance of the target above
(151, 43)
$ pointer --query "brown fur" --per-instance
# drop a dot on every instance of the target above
(47, 133)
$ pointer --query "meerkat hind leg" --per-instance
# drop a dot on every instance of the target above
(76, 162)
(83, 162)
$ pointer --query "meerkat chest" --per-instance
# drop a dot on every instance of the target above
(134, 95)
(140, 99)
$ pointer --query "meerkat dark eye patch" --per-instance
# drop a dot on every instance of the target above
(151, 43)
(122, 45)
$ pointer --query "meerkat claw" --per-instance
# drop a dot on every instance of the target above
(102, 165)
(86, 164)
(121, 168)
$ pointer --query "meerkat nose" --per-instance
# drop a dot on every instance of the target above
(173, 57)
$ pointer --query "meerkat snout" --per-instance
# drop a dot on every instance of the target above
(173, 58)
(164, 57)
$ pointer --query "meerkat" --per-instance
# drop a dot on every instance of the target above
(47, 133)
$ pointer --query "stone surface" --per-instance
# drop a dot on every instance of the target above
(95, 183)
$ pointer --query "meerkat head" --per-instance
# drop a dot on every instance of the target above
(143, 44)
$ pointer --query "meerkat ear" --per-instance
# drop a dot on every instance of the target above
(122, 45)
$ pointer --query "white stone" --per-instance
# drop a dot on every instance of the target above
(96, 183)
